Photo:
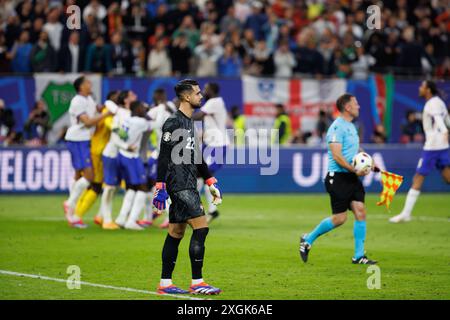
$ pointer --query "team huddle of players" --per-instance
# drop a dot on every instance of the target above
(117, 145)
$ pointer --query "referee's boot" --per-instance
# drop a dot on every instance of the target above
(363, 260)
(304, 248)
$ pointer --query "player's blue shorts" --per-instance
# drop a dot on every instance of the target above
(132, 170)
(111, 171)
(431, 159)
(215, 157)
(152, 168)
(80, 152)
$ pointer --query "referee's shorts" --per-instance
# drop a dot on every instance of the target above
(343, 187)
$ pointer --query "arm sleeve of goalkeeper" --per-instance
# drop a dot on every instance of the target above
(166, 145)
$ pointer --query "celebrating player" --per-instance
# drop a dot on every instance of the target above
(342, 182)
(98, 142)
(178, 164)
(83, 118)
(436, 122)
(131, 165)
(111, 172)
(214, 115)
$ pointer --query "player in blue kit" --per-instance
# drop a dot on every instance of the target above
(342, 182)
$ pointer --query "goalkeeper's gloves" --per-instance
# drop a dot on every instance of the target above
(214, 189)
(160, 196)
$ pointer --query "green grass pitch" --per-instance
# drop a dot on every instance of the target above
(251, 251)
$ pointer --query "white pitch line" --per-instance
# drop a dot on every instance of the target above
(35, 276)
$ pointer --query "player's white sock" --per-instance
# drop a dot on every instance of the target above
(411, 199)
(209, 198)
(138, 205)
(196, 281)
(106, 204)
(78, 187)
(165, 282)
(148, 211)
(126, 207)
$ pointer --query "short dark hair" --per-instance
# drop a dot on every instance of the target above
(134, 105)
(78, 82)
(122, 96)
(433, 87)
(342, 101)
(111, 94)
(184, 86)
(158, 93)
(214, 87)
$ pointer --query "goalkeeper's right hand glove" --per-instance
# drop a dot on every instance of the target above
(160, 196)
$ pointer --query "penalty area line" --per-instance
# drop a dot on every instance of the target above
(97, 285)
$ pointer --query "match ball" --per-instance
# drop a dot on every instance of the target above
(362, 162)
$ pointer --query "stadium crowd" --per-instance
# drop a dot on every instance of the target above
(319, 38)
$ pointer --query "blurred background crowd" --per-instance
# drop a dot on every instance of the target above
(319, 38)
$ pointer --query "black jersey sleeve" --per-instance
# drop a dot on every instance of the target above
(202, 167)
(166, 145)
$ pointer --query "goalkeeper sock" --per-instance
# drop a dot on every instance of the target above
(78, 187)
(85, 202)
(411, 199)
(359, 232)
(197, 251)
(323, 227)
(169, 256)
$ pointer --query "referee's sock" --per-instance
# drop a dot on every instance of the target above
(169, 257)
(323, 227)
(359, 232)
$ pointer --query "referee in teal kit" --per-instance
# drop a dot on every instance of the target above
(342, 182)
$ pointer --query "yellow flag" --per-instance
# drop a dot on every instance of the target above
(391, 182)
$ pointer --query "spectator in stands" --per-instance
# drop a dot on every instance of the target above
(43, 56)
(158, 62)
(284, 61)
(37, 125)
(189, 29)
(256, 20)
(323, 123)
(158, 34)
(136, 21)
(98, 57)
(25, 12)
(12, 30)
(21, 52)
(180, 55)
(309, 60)
(114, 19)
(95, 8)
(71, 55)
(263, 59)
(207, 55)
(327, 48)
(379, 135)
(411, 53)
(229, 22)
(242, 10)
(412, 130)
(7, 125)
(138, 57)
(238, 125)
(229, 64)
(5, 57)
(90, 30)
(121, 58)
(360, 67)
(54, 28)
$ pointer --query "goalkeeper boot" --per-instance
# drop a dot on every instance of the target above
(172, 289)
(304, 248)
(363, 260)
(203, 288)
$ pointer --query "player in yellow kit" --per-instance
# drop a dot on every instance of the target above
(98, 143)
